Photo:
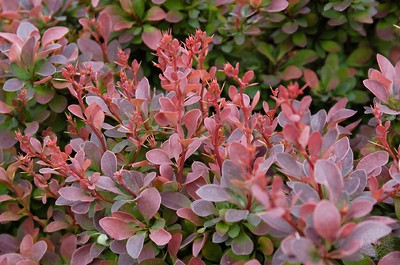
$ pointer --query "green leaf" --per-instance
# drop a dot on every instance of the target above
(58, 103)
(299, 39)
(330, 46)
(359, 57)
(302, 57)
(397, 208)
(212, 252)
(234, 230)
(19, 72)
(174, 4)
(358, 96)
(363, 261)
(265, 245)
(221, 228)
(138, 8)
(266, 50)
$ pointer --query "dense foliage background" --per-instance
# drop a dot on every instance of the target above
(199, 132)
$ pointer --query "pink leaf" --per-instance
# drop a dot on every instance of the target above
(327, 173)
(12, 38)
(365, 233)
(191, 119)
(73, 194)
(377, 89)
(12, 85)
(203, 208)
(239, 153)
(134, 245)
(151, 37)
(289, 165)
(28, 52)
(149, 202)
(104, 22)
(385, 65)
(26, 30)
(52, 34)
(92, 47)
(175, 200)
(213, 193)
(277, 6)
(108, 164)
(143, 89)
(95, 3)
(234, 215)
(117, 228)
(187, 213)
(4, 108)
(160, 236)
(38, 250)
(327, 220)
(158, 157)
(155, 13)
(95, 115)
(373, 161)
(291, 72)
(311, 78)
(76, 110)
(390, 259)
(56, 226)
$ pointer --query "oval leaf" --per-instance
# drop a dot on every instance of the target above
(213, 193)
(149, 202)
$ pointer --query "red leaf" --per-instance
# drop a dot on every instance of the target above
(149, 202)
(81, 256)
(327, 220)
(117, 228)
(160, 236)
(52, 34)
(95, 115)
(174, 244)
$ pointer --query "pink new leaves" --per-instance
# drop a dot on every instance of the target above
(25, 52)
(385, 84)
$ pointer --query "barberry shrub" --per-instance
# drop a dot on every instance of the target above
(188, 176)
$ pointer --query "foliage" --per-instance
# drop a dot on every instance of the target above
(185, 161)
